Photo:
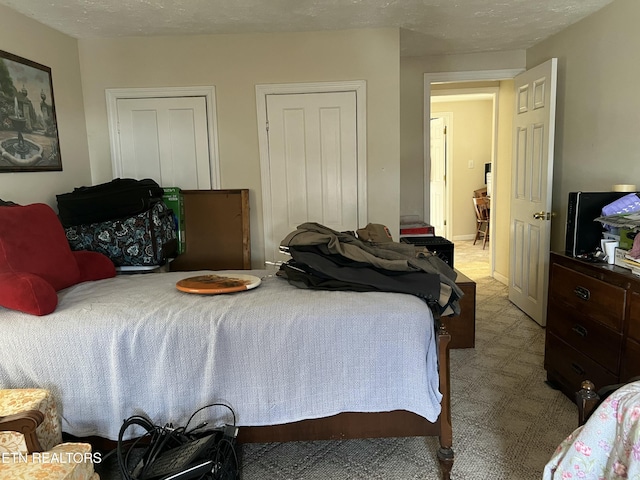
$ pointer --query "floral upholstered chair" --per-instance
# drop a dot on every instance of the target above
(606, 445)
(31, 440)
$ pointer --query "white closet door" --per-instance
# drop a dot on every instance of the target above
(313, 162)
(165, 139)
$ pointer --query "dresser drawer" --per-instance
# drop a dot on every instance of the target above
(592, 338)
(630, 361)
(571, 367)
(587, 296)
(634, 317)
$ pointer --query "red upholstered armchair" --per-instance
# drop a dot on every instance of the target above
(36, 260)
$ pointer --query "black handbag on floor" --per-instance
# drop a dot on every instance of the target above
(119, 198)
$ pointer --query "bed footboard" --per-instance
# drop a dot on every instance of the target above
(445, 452)
(586, 399)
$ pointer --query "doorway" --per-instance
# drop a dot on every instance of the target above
(470, 115)
(466, 81)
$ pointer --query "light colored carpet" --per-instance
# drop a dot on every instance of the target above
(506, 421)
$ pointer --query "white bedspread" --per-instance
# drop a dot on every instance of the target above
(276, 354)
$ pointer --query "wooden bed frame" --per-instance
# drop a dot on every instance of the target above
(350, 425)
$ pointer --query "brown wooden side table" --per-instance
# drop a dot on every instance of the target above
(463, 327)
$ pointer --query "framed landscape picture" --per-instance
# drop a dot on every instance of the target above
(28, 126)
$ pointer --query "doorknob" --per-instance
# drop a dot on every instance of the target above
(541, 215)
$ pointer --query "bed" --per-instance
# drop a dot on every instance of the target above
(293, 364)
(607, 446)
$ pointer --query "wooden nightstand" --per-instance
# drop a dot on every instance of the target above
(463, 327)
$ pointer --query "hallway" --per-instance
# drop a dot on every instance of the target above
(471, 259)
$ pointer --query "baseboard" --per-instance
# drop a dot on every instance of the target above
(501, 278)
(465, 237)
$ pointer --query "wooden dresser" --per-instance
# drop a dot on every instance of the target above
(593, 324)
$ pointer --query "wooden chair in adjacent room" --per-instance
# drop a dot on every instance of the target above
(481, 192)
(481, 207)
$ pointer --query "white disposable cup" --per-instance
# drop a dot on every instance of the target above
(610, 250)
(604, 241)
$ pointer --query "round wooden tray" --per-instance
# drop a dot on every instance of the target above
(218, 283)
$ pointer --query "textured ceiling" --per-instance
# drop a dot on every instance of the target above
(427, 27)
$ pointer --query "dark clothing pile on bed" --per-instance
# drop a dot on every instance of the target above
(325, 259)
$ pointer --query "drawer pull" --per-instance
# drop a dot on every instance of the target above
(580, 330)
(578, 369)
(582, 293)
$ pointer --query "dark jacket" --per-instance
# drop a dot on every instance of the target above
(387, 266)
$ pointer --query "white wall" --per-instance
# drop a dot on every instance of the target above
(500, 206)
(234, 64)
(26, 38)
(597, 141)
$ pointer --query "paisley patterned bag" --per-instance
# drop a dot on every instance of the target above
(145, 239)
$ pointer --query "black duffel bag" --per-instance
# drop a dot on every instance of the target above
(145, 239)
(119, 198)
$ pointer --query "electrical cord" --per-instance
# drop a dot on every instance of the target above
(122, 456)
(164, 438)
(221, 457)
(233, 414)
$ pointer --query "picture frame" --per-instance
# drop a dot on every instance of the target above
(29, 139)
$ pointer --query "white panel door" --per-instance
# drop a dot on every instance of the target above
(438, 190)
(313, 163)
(165, 139)
(533, 141)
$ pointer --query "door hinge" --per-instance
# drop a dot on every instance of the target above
(267, 126)
(445, 130)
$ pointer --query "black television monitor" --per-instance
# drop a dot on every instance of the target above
(583, 232)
